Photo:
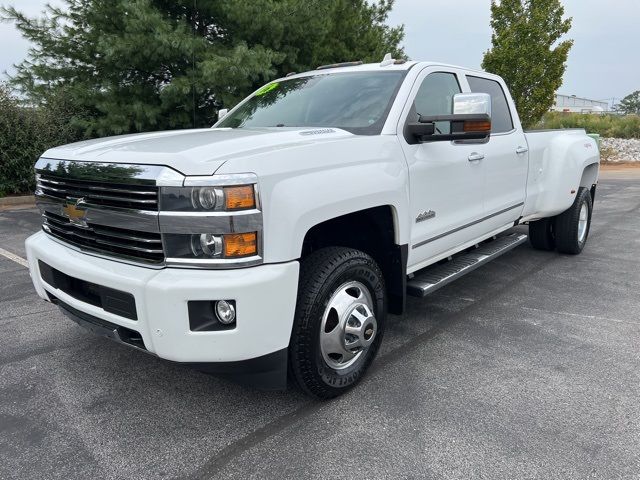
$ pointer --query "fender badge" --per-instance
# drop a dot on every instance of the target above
(73, 210)
(428, 215)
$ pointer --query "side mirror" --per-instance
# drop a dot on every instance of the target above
(472, 104)
(420, 130)
(222, 112)
(471, 120)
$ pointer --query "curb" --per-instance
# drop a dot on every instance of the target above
(619, 165)
(22, 201)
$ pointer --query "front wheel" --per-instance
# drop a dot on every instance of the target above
(572, 226)
(339, 323)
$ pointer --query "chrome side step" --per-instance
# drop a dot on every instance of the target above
(432, 278)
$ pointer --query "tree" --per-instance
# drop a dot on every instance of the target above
(137, 65)
(527, 52)
(630, 105)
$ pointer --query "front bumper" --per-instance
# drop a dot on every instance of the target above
(265, 302)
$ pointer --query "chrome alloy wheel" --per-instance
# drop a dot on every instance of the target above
(583, 222)
(348, 326)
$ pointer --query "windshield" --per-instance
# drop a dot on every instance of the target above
(358, 102)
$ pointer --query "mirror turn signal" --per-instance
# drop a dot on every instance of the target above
(477, 126)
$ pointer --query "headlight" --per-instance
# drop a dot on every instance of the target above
(208, 246)
(212, 221)
(208, 199)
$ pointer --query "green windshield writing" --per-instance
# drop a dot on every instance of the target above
(267, 88)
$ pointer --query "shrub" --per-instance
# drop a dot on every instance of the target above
(615, 126)
(25, 133)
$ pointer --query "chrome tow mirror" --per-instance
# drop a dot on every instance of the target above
(472, 104)
(471, 120)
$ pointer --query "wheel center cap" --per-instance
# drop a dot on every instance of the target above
(348, 327)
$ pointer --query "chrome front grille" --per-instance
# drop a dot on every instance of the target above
(140, 197)
(117, 241)
(108, 209)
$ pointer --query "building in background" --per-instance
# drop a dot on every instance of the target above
(573, 104)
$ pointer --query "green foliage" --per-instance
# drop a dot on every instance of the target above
(613, 126)
(630, 104)
(139, 65)
(526, 52)
(26, 132)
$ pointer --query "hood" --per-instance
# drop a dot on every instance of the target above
(193, 152)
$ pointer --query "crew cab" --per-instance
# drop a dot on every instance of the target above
(273, 245)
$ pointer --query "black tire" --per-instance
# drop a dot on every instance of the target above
(566, 224)
(542, 235)
(323, 274)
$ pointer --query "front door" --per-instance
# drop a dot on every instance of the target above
(446, 179)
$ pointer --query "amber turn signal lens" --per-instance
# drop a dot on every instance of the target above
(240, 245)
(240, 197)
(477, 126)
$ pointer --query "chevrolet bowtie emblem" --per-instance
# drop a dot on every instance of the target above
(73, 210)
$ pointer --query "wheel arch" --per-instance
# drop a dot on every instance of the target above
(589, 175)
(374, 231)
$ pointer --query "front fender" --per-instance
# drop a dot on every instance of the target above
(307, 185)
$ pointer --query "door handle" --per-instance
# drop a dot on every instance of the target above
(476, 157)
(521, 150)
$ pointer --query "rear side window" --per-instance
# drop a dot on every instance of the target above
(501, 120)
(435, 97)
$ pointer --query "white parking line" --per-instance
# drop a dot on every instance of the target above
(13, 257)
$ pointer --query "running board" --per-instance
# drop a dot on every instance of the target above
(435, 277)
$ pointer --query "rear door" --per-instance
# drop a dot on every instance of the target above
(505, 160)
(446, 184)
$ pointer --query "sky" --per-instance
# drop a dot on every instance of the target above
(604, 63)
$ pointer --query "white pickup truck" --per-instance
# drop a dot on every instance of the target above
(272, 245)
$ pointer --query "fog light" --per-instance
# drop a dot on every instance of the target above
(225, 311)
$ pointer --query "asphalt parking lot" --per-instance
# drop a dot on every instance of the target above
(527, 368)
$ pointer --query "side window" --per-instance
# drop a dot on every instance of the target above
(500, 114)
(435, 97)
